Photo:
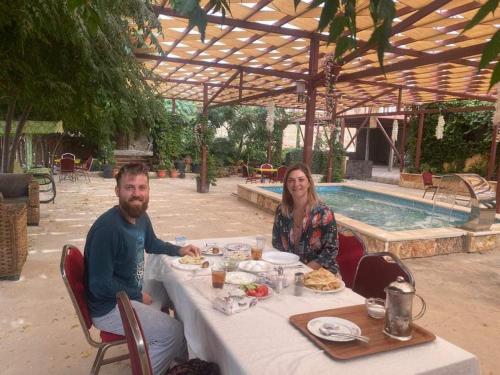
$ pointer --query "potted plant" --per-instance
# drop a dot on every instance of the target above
(161, 170)
(108, 161)
(174, 173)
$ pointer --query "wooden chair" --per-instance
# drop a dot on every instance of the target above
(67, 169)
(351, 250)
(266, 174)
(376, 271)
(139, 357)
(428, 184)
(72, 272)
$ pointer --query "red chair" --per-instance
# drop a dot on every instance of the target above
(266, 174)
(85, 168)
(139, 357)
(68, 155)
(247, 176)
(67, 169)
(351, 250)
(376, 271)
(72, 271)
(280, 174)
(428, 184)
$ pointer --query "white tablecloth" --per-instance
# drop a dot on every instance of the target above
(262, 341)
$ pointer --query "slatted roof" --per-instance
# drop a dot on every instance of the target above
(263, 48)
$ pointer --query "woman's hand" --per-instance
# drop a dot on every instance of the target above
(189, 250)
(314, 265)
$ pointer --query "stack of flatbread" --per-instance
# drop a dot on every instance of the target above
(188, 259)
(321, 279)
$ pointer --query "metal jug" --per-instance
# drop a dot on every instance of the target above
(398, 309)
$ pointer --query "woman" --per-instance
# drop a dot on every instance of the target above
(303, 225)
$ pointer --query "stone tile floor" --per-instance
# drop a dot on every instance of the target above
(39, 331)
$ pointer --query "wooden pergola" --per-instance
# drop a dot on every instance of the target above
(262, 50)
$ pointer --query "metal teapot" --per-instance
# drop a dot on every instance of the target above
(398, 309)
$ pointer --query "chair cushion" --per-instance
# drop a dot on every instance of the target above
(110, 337)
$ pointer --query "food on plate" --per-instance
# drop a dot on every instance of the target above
(255, 290)
(239, 255)
(189, 259)
(322, 279)
(212, 250)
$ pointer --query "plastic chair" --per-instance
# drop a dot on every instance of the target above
(280, 174)
(376, 271)
(67, 169)
(139, 357)
(351, 250)
(428, 184)
(72, 271)
(85, 168)
(266, 174)
(247, 176)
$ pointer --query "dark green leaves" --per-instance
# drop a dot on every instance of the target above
(382, 13)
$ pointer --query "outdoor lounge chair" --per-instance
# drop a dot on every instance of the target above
(351, 250)
(72, 271)
(376, 271)
(21, 188)
(139, 357)
(428, 184)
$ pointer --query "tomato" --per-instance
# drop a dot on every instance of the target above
(252, 292)
(261, 291)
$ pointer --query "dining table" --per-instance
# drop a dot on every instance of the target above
(266, 173)
(261, 340)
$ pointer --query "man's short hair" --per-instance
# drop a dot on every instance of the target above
(133, 169)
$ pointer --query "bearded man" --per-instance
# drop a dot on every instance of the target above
(114, 261)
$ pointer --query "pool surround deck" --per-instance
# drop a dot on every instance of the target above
(404, 243)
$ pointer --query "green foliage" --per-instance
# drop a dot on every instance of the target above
(167, 138)
(465, 134)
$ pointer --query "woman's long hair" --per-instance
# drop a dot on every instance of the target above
(286, 198)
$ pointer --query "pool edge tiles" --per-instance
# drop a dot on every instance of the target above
(405, 243)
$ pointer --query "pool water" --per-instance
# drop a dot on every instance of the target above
(385, 211)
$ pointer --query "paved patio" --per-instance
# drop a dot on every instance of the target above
(41, 334)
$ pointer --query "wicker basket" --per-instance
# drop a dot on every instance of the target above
(34, 203)
(13, 240)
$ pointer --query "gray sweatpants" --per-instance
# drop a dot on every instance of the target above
(164, 335)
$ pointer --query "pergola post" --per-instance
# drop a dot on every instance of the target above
(331, 144)
(204, 148)
(420, 132)
(311, 102)
(402, 146)
(493, 152)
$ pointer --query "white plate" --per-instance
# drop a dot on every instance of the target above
(239, 278)
(188, 267)
(270, 292)
(280, 257)
(237, 247)
(342, 326)
(208, 251)
(342, 287)
(255, 266)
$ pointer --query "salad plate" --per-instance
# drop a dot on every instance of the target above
(280, 257)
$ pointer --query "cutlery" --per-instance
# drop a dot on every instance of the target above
(331, 330)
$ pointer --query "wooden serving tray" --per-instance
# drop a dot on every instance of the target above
(379, 342)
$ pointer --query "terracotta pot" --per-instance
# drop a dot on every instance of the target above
(174, 173)
(162, 173)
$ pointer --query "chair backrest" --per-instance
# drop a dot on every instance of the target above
(376, 271)
(68, 155)
(266, 165)
(88, 163)
(351, 250)
(244, 170)
(73, 273)
(427, 178)
(139, 357)
(67, 165)
(280, 174)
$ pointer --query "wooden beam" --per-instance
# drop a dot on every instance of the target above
(209, 84)
(420, 133)
(389, 140)
(311, 103)
(425, 111)
(363, 124)
(246, 69)
(240, 87)
(226, 84)
(285, 90)
(359, 104)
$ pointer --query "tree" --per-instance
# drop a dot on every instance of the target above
(73, 61)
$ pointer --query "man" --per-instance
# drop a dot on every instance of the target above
(114, 261)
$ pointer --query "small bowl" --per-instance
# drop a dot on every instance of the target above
(375, 307)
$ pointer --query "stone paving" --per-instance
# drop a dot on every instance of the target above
(39, 331)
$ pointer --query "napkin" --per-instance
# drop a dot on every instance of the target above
(234, 304)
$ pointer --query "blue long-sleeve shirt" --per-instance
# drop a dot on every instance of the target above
(114, 258)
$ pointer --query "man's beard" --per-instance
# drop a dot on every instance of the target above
(132, 210)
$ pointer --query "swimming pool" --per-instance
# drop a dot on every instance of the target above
(384, 211)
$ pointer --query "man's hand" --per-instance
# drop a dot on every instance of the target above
(189, 250)
(146, 299)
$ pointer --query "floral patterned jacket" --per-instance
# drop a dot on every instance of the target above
(318, 241)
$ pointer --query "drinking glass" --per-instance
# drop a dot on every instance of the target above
(256, 251)
(180, 241)
(218, 276)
